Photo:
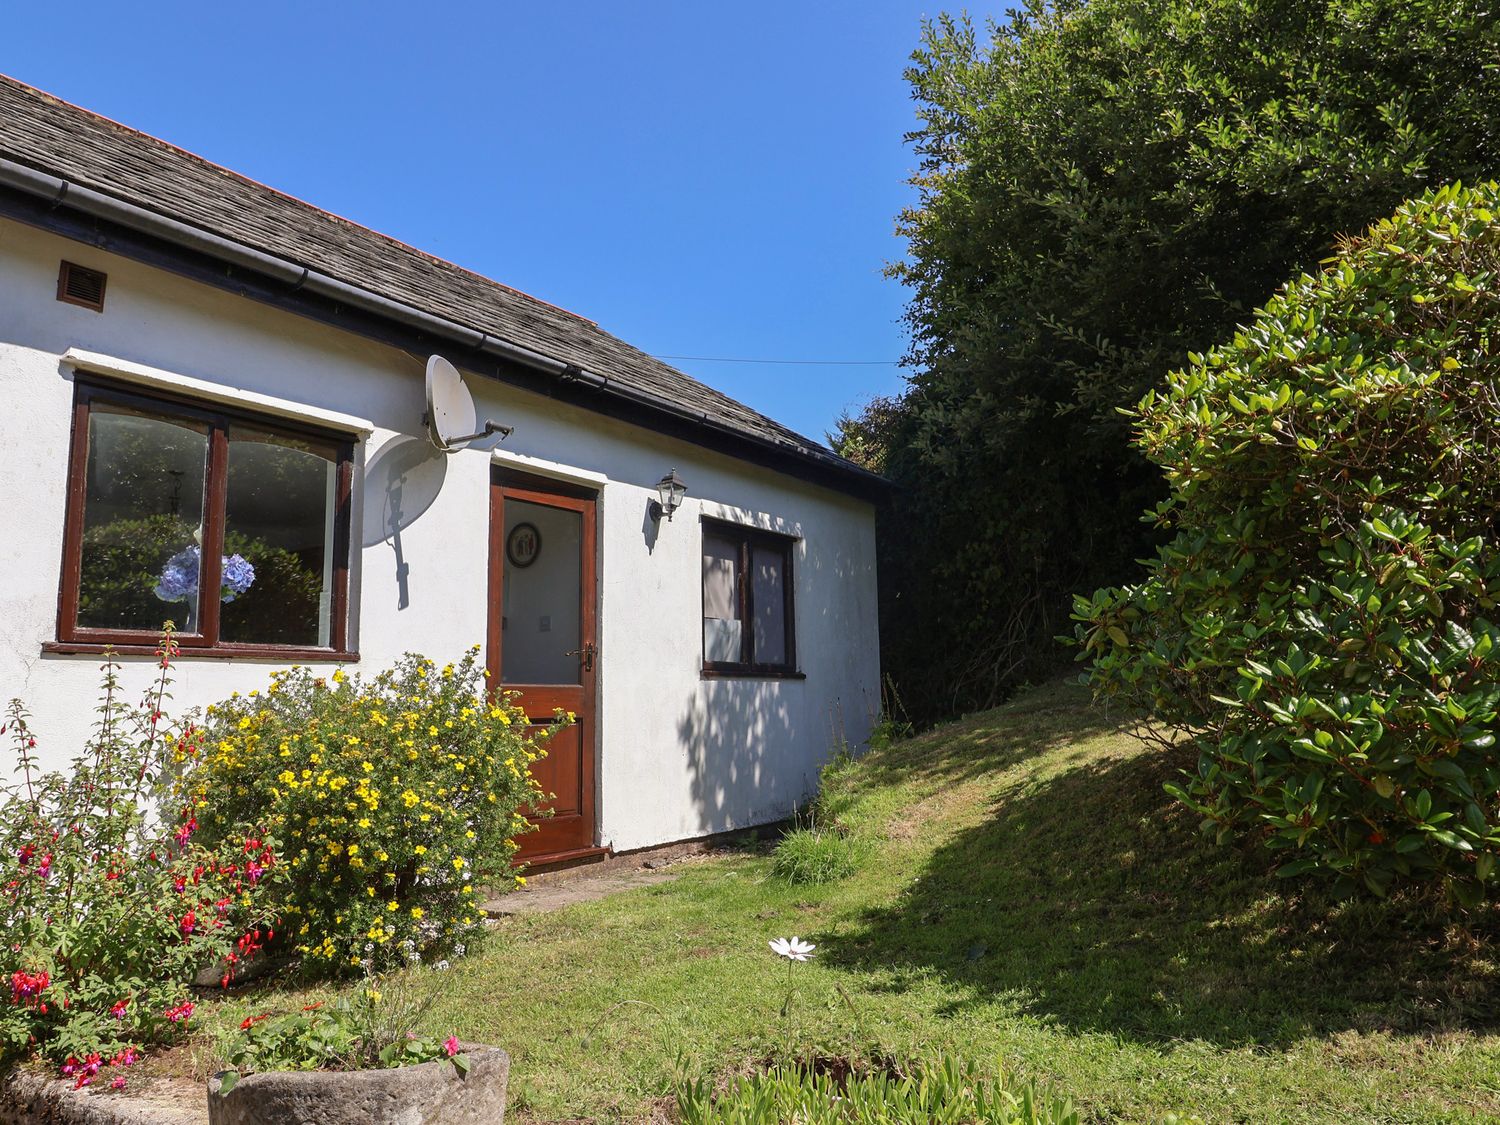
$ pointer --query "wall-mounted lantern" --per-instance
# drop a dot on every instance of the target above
(669, 490)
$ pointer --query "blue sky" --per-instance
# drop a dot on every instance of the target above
(702, 179)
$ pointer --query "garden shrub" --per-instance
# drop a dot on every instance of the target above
(1322, 623)
(398, 797)
(110, 911)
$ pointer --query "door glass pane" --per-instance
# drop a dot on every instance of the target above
(722, 630)
(142, 519)
(278, 540)
(768, 594)
(541, 630)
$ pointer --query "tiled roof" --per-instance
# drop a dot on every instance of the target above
(62, 140)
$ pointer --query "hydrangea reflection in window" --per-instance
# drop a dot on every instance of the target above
(278, 520)
(143, 505)
(226, 523)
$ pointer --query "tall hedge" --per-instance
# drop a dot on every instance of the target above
(1323, 620)
(1102, 187)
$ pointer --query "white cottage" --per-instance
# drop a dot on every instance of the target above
(200, 372)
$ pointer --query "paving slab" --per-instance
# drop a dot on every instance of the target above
(542, 897)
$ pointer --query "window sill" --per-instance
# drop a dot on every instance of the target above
(751, 674)
(280, 654)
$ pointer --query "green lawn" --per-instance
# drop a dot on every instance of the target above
(1028, 895)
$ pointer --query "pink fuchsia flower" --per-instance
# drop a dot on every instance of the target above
(85, 1070)
(127, 1057)
(188, 828)
(450, 1045)
(118, 1008)
(44, 869)
(26, 987)
(181, 1012)
(188, 924)
(117, 1082)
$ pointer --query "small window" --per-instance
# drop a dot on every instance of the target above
(747, 602)
(233, 527)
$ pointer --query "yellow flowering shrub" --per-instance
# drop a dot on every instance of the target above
(398, 798)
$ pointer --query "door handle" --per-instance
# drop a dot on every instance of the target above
(587, 652)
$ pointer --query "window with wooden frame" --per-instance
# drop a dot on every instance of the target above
(234, 526)
(748, 617)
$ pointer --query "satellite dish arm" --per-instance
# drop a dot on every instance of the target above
(490, 427)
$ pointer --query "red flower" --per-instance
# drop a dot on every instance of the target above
(249, 1020)
(181, 1012)
(25, 987)
(117, 1082)
(450, 1045)
(118, 1010)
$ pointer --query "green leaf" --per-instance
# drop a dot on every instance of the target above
(1296, 867)
(227, 1081)
(461, 1063)
(1443, 836)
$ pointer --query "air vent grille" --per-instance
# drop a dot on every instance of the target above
(79, 285)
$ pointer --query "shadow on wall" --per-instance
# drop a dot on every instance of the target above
(755, 746)
(401, 482)
(741, 739)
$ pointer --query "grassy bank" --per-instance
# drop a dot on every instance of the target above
(1028, 895)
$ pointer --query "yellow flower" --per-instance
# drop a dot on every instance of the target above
(420, 849)
(338, 676)
(392, 906)
(353, 849)
(458, 863)
(364, 822)
(417, 912)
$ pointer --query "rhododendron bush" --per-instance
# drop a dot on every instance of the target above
(112, 908)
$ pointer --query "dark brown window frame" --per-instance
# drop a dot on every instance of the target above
(73, 638)
(749, 538)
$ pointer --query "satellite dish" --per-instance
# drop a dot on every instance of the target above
(451, 418)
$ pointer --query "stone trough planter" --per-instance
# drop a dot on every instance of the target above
(426, 1094)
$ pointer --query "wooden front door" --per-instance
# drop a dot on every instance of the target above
(543, 642)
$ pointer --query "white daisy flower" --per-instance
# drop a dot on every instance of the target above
(793, 949)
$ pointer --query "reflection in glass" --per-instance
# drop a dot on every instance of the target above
(278, 540)
(142, 519)
(542, 631)
(768, 595)
(722, 629)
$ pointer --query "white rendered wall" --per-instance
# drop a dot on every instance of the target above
(680, 756)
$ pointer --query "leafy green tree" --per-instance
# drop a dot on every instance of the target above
(1323, 620)
(1103, 187)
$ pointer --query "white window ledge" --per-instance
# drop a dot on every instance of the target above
(141, 375)
(553, 469)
